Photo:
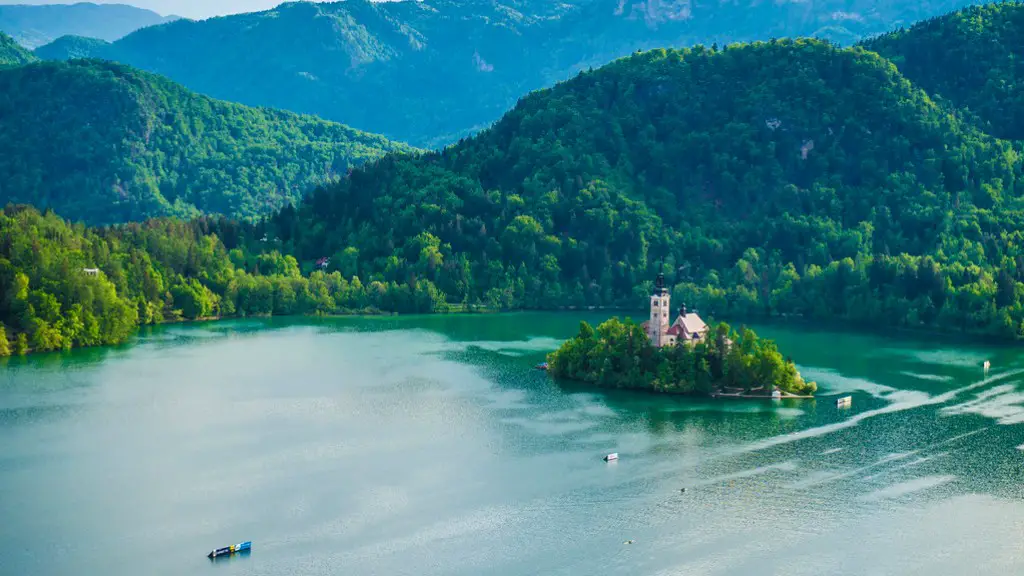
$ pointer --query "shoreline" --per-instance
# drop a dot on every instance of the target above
(972, 338)
(582, 385)
(367, 313)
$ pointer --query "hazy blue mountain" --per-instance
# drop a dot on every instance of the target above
(434, 71)
(34, 26)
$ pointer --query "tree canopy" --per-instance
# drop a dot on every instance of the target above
(971, 58)
(619, 355)
(64, 285)
(775, 178)
(12, 54)
(104, 143)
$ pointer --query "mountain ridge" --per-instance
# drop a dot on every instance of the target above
(970, 58)
(12, 53)
(35, 25)
(432, 72)
(104, 143)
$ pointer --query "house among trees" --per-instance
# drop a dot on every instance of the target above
(686, 327)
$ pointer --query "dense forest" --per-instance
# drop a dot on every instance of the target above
(102, 142)
(782, 178)
(428, 72)
(971, 58)
(620, 355)
(71, 48)
(11, 54)
(64, 285)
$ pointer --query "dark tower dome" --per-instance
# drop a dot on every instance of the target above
(659, 285)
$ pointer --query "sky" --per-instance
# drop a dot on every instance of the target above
(186, 8)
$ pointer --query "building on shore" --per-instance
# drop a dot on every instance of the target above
(663, 330)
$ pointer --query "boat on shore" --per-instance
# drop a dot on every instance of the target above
(229, 550)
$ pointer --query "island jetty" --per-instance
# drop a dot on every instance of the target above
(678, 354)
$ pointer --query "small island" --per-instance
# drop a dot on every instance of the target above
(684, 357)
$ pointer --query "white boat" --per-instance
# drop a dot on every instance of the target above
(612, 456)
(844, 402)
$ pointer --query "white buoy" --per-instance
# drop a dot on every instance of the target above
(612, 456)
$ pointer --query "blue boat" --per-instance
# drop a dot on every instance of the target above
(229, 550)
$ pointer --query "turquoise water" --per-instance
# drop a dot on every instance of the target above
(429, 446)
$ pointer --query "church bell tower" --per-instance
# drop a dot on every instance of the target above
(659, 322)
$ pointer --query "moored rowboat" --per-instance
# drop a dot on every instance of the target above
(228, 550)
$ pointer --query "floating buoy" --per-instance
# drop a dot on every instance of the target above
(612, 456)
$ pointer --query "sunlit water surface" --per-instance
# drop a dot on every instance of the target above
(429, 446)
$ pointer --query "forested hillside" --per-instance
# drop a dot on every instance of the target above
(11, 54)
(972, 58)
(103, 143)
(431, 72)
(71, 47)
(776, 178)
(64, 286)
(34, 26)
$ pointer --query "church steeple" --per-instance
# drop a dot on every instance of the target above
(659, 285)
(658, 324)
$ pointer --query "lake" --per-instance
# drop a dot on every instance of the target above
(429, 446)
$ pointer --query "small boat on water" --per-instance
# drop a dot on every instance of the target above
(844, 402)
(611, 457)
(542, 366)
(229, 550)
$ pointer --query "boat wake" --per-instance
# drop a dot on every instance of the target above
(909, 401)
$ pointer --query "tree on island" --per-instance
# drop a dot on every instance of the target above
(619, 354)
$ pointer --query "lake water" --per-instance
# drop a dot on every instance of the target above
(429, 446)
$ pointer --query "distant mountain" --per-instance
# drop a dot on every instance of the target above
(972, 58)
(71, 47)
(34, 26)
(430, 72)
(102, 142)
(11, 54)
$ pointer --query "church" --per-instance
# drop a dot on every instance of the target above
(686, 327)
